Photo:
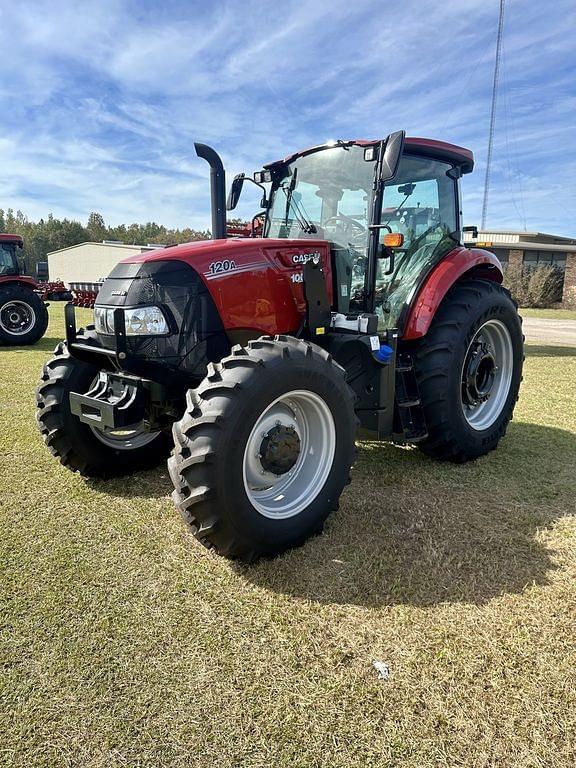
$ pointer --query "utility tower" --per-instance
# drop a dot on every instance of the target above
(493, 113)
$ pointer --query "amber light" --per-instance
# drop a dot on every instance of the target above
(394, 240)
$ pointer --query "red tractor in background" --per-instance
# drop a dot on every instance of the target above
(23, 313)
(254, 360)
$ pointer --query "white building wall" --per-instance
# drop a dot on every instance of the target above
(88, 262)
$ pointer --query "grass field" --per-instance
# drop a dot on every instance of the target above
(550, 314)
(124, 643)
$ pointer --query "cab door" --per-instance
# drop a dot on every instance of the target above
(421, 203)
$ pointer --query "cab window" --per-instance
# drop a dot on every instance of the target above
(7, 266)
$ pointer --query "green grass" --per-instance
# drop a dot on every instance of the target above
(125, 643)
(549, 314)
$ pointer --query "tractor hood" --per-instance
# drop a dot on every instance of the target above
(225, 261)
(214, 293)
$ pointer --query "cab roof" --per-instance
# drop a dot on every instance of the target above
(441, 150)
(6, 238)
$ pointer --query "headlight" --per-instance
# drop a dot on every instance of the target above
(143, 321)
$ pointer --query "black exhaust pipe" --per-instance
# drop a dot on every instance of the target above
(217, 189)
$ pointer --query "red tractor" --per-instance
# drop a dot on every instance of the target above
(23, 314)
(255, 360)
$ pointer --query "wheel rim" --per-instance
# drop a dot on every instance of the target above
(487, 375)
(127, 439)
(124, 439)
(289, 454)
(17, 317)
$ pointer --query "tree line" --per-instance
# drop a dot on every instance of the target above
(50, 234)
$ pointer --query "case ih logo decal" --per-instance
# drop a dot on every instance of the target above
(302, 258)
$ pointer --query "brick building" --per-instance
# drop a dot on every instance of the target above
(531, 249)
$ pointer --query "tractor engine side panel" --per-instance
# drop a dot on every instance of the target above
(256, 284)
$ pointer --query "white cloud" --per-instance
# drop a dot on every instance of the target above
(102, 101)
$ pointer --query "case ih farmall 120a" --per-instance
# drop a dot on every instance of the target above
(23, 314)
(255, 359)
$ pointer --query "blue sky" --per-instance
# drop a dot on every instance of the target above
(101, 101)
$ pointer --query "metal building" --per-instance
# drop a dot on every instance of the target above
(90, 262)
(531, 249)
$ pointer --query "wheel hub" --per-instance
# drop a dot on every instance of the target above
(289, 454)
(16, 318)
(280, 449)
(479, 374)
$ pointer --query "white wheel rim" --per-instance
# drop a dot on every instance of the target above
(279, 496)
(17, 317)
(497, 339)
(126, 439)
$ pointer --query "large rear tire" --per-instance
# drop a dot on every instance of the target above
(469, 369)
(23, 315)
(76, 445)
(264, 449)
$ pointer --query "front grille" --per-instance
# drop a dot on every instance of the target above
(198, 336)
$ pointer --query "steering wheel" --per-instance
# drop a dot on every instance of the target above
(347, 219)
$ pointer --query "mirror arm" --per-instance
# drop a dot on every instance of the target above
(387, 253)
(263, 188)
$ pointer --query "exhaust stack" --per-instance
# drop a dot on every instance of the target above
(217, 189)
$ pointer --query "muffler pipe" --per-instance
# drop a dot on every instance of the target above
(217, 189)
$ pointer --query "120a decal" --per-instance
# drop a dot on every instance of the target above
(217, 267)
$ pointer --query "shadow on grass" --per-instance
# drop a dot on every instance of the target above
(538, 350)
(45, 344)
(148, 484)
(414, 531)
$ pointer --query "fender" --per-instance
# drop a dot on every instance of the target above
(457, 264)
(18, 280)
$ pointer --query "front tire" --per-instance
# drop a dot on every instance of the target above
(76, 445)
(469, 368)
(264, 449)
(23, 316)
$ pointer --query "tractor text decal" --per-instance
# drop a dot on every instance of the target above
(302, 258)
(228, 267)
(221, 266)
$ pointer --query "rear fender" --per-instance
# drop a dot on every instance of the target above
(22, 280)
(460, 264)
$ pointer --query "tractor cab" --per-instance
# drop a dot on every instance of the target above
(9, 265)
(23, 314)
(385, 233)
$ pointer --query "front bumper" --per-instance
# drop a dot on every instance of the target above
(117, 401)
(121, 396)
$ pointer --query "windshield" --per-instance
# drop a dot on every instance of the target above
(324, 195)
(8, 264)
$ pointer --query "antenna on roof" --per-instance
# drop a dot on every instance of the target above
(493, 113)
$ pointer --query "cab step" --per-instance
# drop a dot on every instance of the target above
(408, 402)
(410, 420)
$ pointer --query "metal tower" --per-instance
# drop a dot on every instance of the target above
(493, 113)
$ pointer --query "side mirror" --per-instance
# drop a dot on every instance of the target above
(472, 230)
(235, 190)
(392, 154)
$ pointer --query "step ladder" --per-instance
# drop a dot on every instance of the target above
(409, 408)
